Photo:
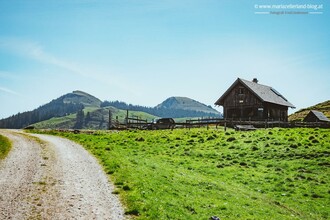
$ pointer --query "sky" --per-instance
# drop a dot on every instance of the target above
(144, 51)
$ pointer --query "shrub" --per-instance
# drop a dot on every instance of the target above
(231, 139)
(254, 148)
(243, 164)
(294, 146)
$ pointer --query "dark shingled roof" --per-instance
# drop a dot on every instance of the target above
(263, 92)
(320, 116)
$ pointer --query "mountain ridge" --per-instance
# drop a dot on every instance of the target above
(64, 110)
(80, 97)
(179, 102)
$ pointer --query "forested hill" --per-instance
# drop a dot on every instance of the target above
(97, 111)
(64, 105)
(192, 108)
(185, 103)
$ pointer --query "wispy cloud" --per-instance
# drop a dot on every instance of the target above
(35, 51)
(9, 91)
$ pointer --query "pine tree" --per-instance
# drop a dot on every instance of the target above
(87, 118)
(79, 120)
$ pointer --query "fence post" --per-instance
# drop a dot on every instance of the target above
(126, 118)
(110, 119)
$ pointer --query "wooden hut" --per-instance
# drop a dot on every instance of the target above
(248, 100)
(316, 116)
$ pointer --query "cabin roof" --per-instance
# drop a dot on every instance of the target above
(263, 92)
(319, 115)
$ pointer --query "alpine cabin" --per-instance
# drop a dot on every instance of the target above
(250, 101)
(316, 116)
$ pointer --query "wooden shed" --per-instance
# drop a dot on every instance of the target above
(248, 100)
(316, 116)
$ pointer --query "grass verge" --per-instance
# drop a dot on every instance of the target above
(199, 173)
(5, 146)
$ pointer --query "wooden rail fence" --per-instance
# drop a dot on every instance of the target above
(216, 122)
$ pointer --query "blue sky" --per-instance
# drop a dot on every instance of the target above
(144, 51)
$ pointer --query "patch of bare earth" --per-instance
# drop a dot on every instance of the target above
(47, 177)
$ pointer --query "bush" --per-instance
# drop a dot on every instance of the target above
(231, 139)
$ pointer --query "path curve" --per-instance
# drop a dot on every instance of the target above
(48, 177)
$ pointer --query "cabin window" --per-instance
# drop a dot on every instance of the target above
(240, 91)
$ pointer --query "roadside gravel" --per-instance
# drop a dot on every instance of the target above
(48, 177)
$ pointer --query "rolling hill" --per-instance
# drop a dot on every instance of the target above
(62, 106)
(174, 107)
(64, 111)
(323, 107)
(186, 104)
(82, 98)
(94, 118)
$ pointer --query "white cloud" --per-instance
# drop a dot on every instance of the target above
(95, 74)
(33, 50)
(9, 91)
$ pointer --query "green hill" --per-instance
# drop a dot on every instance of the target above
(186, 104)
(174, 107)
(98, 118)
(323, 107)
(60, 107)
(94, 114)
(83, 98)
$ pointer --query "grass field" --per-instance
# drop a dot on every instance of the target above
(5, 146)
(199, 173)
(99, 118)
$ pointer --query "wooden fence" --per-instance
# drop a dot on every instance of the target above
(216, 122)
(138, 123)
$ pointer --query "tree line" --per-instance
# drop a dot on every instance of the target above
(159, 112)
(55, 108)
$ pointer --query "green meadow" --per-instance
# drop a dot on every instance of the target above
(5, 146)
(199, 173)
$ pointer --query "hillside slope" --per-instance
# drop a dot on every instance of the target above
(174, 107)
(323, 107)
(83, 98)
(186, 104)
(94, 114)
(94, 118)
(65, 105)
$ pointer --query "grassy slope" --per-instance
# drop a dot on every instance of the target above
(5, 146)
(187, 104)
(301, 114)
(197, 173)
(60, 122)
(81, 97)
(96, 115)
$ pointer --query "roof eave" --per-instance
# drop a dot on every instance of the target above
(220, 101)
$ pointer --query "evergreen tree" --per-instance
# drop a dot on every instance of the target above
(160, 112)
(55, 108)
(79, 120)
(101, 122)
(87, 118)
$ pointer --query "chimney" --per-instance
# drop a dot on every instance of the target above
(255, 80)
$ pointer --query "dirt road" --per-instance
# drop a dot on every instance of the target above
(47, 177)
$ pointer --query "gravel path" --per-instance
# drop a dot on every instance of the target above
(48, 177)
